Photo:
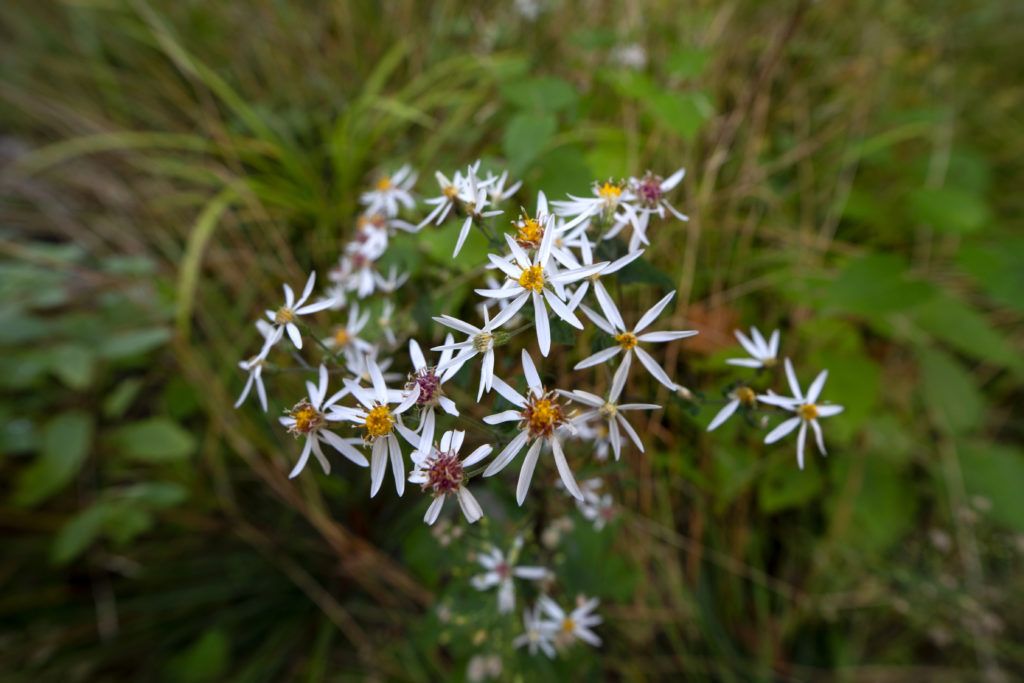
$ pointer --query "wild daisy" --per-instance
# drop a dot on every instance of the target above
(536, 278)
(610, 410)
(536, 634)
(608, 199)
(540, 416)
(380, 422)
(807, 412)
(310, 417)
(346, 337)
(284, 318)
(469, 191)
(741, 395)
(598, 509)
(628, 341)
(498, 192)
(254, 366)
(442, 474)
(500, 570)
(576, 624)
(481, 340)
(763, 354)
(390, 191)
(427, 381)
(650, 193)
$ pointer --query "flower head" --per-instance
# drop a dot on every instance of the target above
(807, 410)
(500, 569)
(763, 354)
(284, 318)
(442, 474)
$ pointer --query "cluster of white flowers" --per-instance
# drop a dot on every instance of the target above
(548, 262)
(764, 354)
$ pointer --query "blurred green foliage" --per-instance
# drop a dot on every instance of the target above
(853, 177)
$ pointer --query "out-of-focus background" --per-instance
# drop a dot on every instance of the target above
(854, 178)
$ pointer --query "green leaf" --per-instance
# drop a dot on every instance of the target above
(156, 439)
(134, 342)
(642, 271)
(73, 365)
(79, 533)
(204, 661)
(883, 512)
(525, 137)
(874, 285)
(995, 472)
(562, 171)
(687, 63)
(542, 93)
(63, 445)
(117, 401)
(154, 494)
(966, 330)
(949, 391)
(561, 332)
(685, 113)
(949, 209)
(442, 243)
(998, 268)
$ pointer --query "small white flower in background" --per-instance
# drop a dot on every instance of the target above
(442, 473)
(576, 624)
(537, 279)
(390, 191)
(500, 570)
(763, 354)
(527, 9)
(481, 340)
(807, 412)
(309, 418)
(385, 321)
(630, 55)
(597, 508)
(358, 366)
(536, 634)
(470, 191)
(530, 232)
(254, 366)
(609, 409)
(741, 395)
(284, 318)
(628, 341)
(346, 337)
(427, 381)
(540, 416)
(380, 423)
(498, 192)
(392, 282)
(371, 238)
(483, 667)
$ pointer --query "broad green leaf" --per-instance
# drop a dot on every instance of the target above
(564, 170)
(133, 342)
(526, 135)
(784, 485)
(949, 209)
(542, 93)
(79, 533)
(966, 330)
(606, 158)
(874, 285)
(155, 439)
(949, 391)
(125, 522)
(684, 113)
(154, 494)
(204, 661)
(117, 401)
(64, 443)
(995, 472)
(441, 244)
(73, 365)
(882, 512)
(687, 63)
(998, 268)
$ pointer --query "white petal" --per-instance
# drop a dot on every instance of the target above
(434, 510)
(470, 507)
(666, 336)
(378, 462)
(345, 448)
(653, 368)
(608, 306)
(724, 414)
(543, 326)
(526, 473)
(817, 385)
(783, 429)
(477, 455)
(504, 416)
(562, 310)
(457, 324)
(651, 315)
(564, 471)
(599, 321)
(599, 357)
(801, 440)
(294, 335)
(507, 454)
(794, 386)
(418, 361)
(818, 437)
(397, 464)
(463, 234)
(744, 362)
(306, 450)
(508, 393)
(828, 410)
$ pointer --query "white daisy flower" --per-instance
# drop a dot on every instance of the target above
(540, 415)
(497, 192)
(380, 423)
(807, 412)
(442, 473)
(284, 318)
(608, 199)
(536, 634)
(468, 190)
(599, 510)
(574, 625)
(391, 283)
(741, 395)
(763, 354)
(610, 410)
(427, 380)
(391, 191)
(254, 366)
(649, 194)
(346, 337)
(628, 341)
(310, 418)
(481, 340)
(500, 570)
(537, 279)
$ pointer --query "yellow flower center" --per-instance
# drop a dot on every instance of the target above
(809, 411)
(378, 422)
(307, 418)
(532, 278)
(607, 410)
(342, 337)
(609, 191)
(626, 340)
(769, 362)
(451, 192)
(746, 396)
(284, 315)
(384, 184)
(531, 232)
(568, 625)
(542, 415)
(482, 341)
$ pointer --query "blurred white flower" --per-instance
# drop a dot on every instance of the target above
(807, 412)
(763, 354)
(390, 191)
(284, 318)
(500, 570)
(536, 634)
(346, 337)
(576, 624)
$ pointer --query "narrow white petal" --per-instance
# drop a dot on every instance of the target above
(378, 462)
(828, 410)
(818, 437)
(294, 334)
(801, 441)
(530, 371)
(434, 510)
(794, 386)
(463, 234)
(652, 367)
(397, 464)
(543, 326)
(561, 309)
(724, 414)
(651, 315)
(306, 450)
(563, 470)
(600, 322)
(418, 361)
(599, 357)
(666, 336)
(782, 430)
(744, 362)
(508, 393)
(507, 454)
(526, 473)
(814, 391)
(608, 306)
(477, 455)
(470, 507)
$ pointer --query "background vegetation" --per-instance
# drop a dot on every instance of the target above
(854, 175)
